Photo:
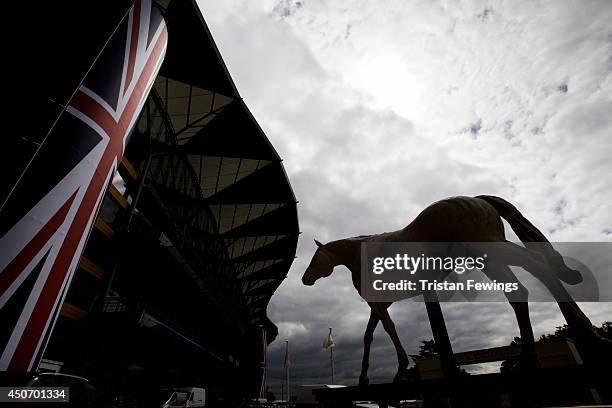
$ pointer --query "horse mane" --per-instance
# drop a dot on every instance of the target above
(346, 251)
(358, 238)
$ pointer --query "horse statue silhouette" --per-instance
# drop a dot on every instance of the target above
(464, 219)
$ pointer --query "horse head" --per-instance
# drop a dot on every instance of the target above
(321, 266)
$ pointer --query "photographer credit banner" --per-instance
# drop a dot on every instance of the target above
(487, 271)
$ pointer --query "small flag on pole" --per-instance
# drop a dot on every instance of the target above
(329, 341)
(328, 344)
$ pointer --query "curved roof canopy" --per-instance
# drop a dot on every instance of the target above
(237, 182)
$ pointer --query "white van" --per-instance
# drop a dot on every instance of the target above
(305, 397)
(188, 397)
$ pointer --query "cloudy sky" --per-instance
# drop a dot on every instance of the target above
(380, 108)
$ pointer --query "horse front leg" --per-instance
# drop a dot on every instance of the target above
(402, 357)
(367, 342)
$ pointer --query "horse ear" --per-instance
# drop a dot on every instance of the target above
(318, 243)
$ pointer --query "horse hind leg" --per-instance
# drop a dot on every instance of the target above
(518, 302)
(537, 265)
(367, 342)
(579, 324)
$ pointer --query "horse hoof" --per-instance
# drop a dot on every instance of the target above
(595, 349)
(401, 376)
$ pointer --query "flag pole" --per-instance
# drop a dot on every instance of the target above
(287, 372)
(264, 363)
(331, 359)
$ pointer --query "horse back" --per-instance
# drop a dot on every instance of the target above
(457, 219)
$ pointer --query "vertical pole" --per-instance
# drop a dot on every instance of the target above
(440, 334)
(331, 359)
(264, 364)
(287, 364)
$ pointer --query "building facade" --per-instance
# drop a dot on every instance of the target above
(195, 232)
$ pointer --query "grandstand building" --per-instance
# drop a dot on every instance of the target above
(196, 231)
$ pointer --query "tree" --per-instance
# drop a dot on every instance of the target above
(427, 348)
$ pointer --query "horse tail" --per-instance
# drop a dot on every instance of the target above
(528, 233)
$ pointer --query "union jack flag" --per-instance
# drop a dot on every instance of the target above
(46, 221)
